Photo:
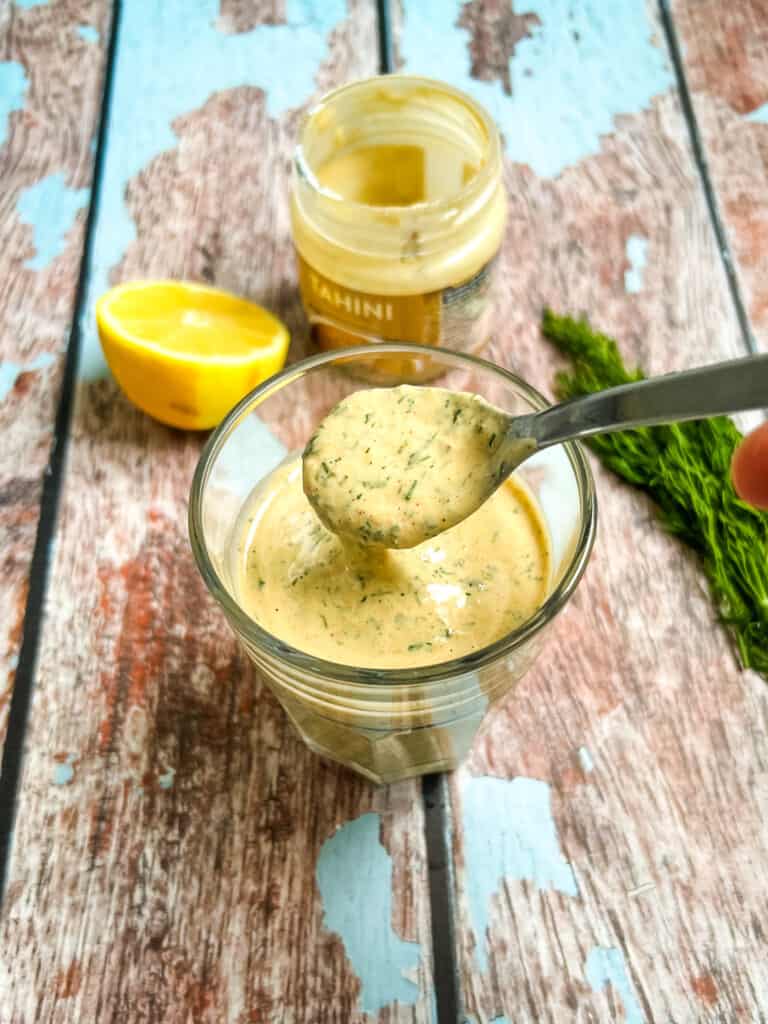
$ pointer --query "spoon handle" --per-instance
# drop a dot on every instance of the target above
(735, 386)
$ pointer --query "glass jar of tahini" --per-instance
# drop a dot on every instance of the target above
(398, 212)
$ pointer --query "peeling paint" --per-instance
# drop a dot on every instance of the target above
(185, 48)
(509, 832)
(759, 116)
(10, 372)
(354, 876)
(606, 966)
(637, 257)
(585, 760)
(705, 988)
(50, 207)
(88, 33)
(63, 773)
(13, 88)
(577, 69)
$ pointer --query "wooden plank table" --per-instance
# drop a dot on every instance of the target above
(171, 852)
(723, 52)
(51, 75)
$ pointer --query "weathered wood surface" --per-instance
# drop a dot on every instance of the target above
(610, 826)
(724, 49)
(179, 855)
(176, 855)
(51, 68)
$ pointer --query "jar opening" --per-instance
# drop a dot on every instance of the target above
(395, 143)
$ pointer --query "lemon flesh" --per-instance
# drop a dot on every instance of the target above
(186, 353)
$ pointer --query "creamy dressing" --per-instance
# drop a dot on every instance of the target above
(395, 466)
(371, 607)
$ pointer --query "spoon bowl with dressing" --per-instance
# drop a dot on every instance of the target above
(395, 467)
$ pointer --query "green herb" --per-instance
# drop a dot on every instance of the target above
(409, 492)
(416, 457)
(685, 468)
(369, 534)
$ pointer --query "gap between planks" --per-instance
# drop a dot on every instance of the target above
(436, 799)
(438, 827)
(386, 48)
(700, 159)
(434, 792)
(21, 697)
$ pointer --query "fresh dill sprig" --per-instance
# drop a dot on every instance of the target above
(685, 468)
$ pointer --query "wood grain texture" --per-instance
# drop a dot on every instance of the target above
(243, 15)
(724, 48)
(626, 884)
(50, 92)
(169, 821)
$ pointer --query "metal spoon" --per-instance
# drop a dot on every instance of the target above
(738, 385)
(393, 467)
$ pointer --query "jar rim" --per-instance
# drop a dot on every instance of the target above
(490, 169)
(284, 652)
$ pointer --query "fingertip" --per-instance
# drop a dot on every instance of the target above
(749, 468)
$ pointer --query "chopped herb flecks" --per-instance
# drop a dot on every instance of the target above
(416, 458)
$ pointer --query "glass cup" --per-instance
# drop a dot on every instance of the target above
(386, 724)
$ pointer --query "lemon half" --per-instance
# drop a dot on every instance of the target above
(186, 353)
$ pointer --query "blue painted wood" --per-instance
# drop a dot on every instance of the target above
(637, 257)
(186, 59)
(354, 875)
(48, 111)
(583, 812)
(13, 88)
(607, 967)
(88, 33)
(601, 52)
(509, 833)
(223, 856)
(50, 207)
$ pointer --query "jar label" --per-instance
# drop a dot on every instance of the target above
(341, 316)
